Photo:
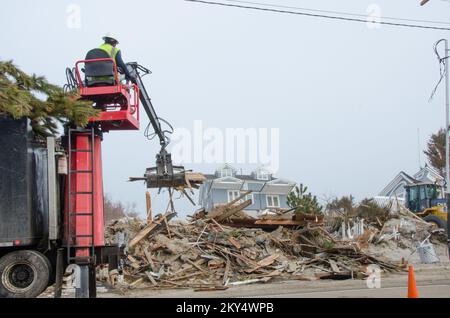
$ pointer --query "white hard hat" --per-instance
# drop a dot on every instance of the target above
(110, 35)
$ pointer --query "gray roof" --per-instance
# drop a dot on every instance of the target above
(245, 177)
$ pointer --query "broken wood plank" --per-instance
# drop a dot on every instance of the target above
(150, 229)
(219, 210)
(263, 263)
(134, 262)
(148, 201)
(151, 279)
(229, 211)
(195, 177)
(234, 242)
(148, 256)
(250, 281)
(137, 282)
(218, 224)
(167, 227)
(227, 270)
(189, 197)
(196, 266)
(268, 260)
(334, 266)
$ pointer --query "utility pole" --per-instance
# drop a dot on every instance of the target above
(444, 61)
(447, 151)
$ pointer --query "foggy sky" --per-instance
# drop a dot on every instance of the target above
(348, 100)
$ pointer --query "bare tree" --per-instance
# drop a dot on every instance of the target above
(116, 209)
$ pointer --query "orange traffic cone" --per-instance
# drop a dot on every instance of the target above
(412, 288)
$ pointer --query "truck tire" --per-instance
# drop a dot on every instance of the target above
(436, 220)
(23, 274)
(51, 274)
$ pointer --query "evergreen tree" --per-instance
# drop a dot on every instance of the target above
(436, 151)
(303, 201)
(22, 95)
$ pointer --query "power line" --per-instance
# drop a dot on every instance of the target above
(319, 15)
(334, 12)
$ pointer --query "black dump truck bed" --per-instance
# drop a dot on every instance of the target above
(23, 185)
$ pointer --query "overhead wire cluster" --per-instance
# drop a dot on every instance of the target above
(351, 17)
(442, 67)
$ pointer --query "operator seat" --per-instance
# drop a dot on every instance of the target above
(99, 73)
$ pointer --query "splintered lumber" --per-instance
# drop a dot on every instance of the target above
(148, 256)
(150, 229)
(137, 282)
(148, 201)
(224, 212)
(334, 266)
(239, 198)
(250, 281)
(226, 273)
(196, 265)
(134, 263)
(268, 260)
(234, 242)
(264, 262)
(151, 279)
(195, 177)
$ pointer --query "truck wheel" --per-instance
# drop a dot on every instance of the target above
(23, 274)
(436, 220)
(52, 274)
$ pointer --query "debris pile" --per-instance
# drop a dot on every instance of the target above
(226, 247)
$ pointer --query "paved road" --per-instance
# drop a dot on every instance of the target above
(425, 291)
(432, 282)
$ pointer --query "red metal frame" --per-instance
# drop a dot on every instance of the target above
(82, 203)
(119, 106)
(119, 103)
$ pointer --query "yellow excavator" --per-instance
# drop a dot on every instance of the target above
(427, 200)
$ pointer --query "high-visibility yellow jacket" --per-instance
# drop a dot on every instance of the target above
(111, 50)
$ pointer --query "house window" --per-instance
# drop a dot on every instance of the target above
(226, 173)
(262, 175)
(273, 201)
(233, 194)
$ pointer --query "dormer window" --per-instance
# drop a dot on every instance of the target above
(263, 175)
(227, 172)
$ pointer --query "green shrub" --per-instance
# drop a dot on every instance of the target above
(303, 201)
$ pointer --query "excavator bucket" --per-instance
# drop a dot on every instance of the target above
(155, 180)
(165, 174)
